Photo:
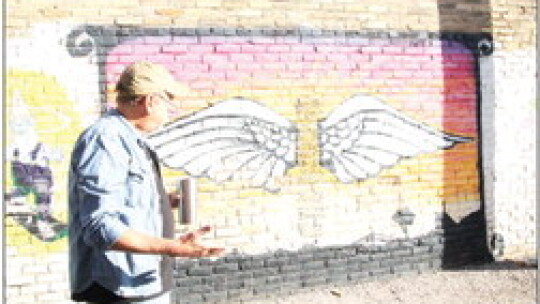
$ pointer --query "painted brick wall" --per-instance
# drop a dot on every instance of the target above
(463, 69)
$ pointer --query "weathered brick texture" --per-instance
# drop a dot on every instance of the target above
(464, 68)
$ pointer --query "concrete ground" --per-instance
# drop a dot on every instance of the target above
(494, 283)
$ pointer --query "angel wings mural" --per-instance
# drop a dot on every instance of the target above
(242, 139)
(237, 138)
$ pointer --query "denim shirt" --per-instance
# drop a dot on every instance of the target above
(111, 189)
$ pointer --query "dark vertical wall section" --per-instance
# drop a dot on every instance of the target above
(470, 238)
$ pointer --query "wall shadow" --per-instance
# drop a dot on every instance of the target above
(467, 212)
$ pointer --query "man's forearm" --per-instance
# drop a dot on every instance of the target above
(133, 241)
(137, 242)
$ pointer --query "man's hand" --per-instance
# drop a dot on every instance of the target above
(187, 245)
(192, 237)
(174, 199)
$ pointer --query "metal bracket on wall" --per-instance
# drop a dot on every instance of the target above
(404, 217)
(186, 190)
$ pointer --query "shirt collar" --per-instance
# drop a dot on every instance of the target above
(142, 139)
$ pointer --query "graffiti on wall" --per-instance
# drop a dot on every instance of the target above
(50, 96)
(363, 136)
(345, 126)
(407, 96)
(40, 120)
(396, 114)
(236, 138)
(239, 138)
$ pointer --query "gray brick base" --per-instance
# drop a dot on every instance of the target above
(235, 278)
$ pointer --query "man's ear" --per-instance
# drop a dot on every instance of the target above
(147, 103)
(151, 102)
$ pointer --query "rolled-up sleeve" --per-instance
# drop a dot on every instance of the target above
(101, 173)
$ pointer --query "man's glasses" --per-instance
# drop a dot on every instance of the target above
(168, 100)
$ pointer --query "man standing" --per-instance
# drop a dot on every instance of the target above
(121, 229)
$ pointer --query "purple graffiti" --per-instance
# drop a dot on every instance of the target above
(34, 177)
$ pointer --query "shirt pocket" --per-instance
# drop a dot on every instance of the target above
(142, 208)
(135, 174)
(138, 186)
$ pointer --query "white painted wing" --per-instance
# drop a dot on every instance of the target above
(363, 135)
(234, 139)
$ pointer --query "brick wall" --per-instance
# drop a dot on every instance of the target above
(461, 71)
